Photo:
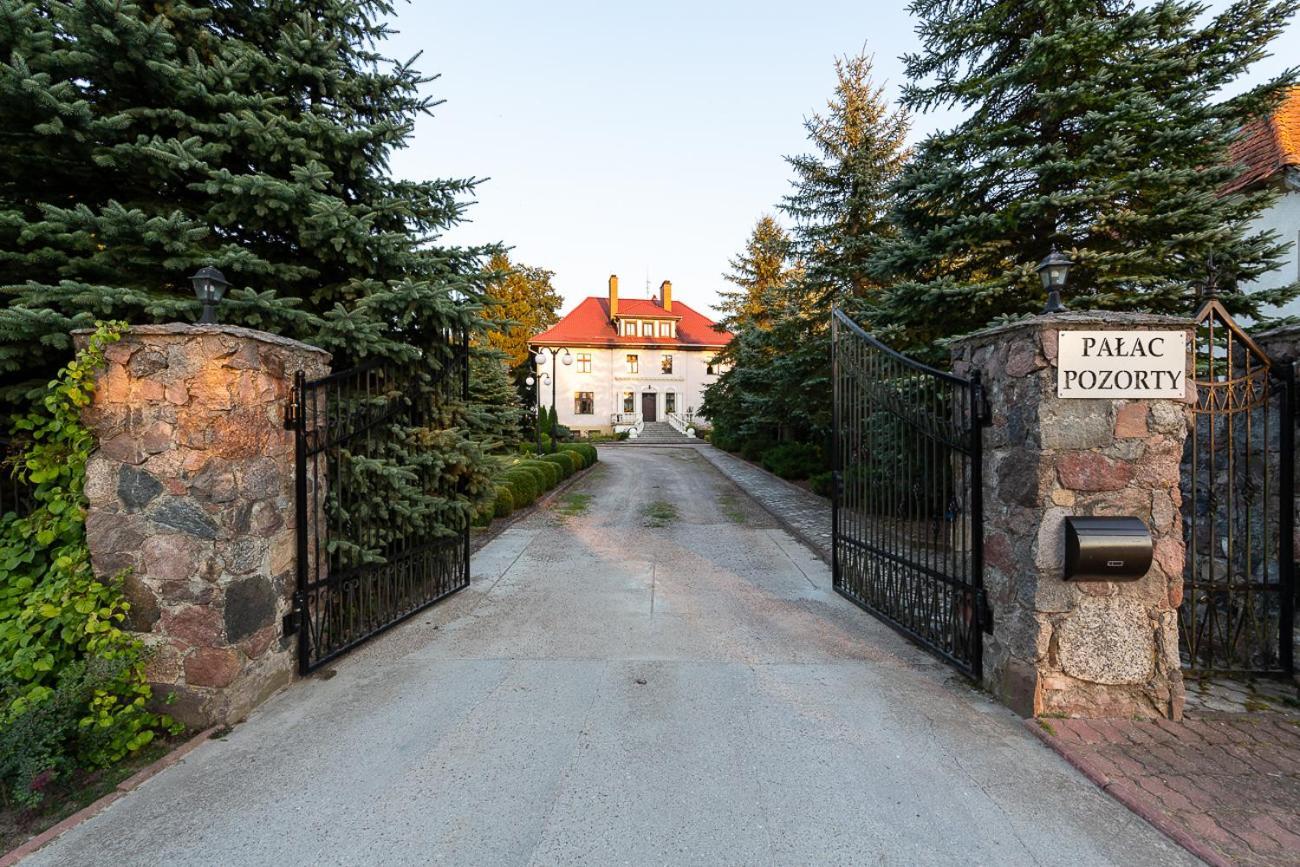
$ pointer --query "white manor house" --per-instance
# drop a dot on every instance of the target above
(624, 363)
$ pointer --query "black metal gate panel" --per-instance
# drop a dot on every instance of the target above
(368, 560)
(907, 508)
(1237, 613)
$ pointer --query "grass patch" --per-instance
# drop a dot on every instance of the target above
(572, 505)
(659, 513)
(730, 507)
(1047, 727)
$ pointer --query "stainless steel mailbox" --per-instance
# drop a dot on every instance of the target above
(1106, 549)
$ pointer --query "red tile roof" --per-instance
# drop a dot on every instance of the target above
(1268, 145)
(588, 324)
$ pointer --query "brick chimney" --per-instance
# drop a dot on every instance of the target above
(613, 295)
(666, 295)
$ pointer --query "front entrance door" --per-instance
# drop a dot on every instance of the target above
(648, 407)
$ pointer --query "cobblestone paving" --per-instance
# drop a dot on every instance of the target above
(803, 513)
(1224, 785)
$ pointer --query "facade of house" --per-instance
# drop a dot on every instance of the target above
(1269, 153)
(629, 361)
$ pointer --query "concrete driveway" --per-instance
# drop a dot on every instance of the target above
(647, 672)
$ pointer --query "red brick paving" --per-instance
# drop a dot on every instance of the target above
(1224, 785)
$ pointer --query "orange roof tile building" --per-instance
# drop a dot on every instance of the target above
(623, 363)
(1268, 152)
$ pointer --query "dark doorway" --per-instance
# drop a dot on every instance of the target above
(648, 407)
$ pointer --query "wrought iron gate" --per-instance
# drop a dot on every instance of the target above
(907, 509)
(366, 562)
(1238, 505)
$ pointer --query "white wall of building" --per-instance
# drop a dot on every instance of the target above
(610, 379)
(1284, 219)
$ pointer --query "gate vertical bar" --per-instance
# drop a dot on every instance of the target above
(836, 397)
(976, 394)
(299, 400)
(1286, 520)
(464, 396)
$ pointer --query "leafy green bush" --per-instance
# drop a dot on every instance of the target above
(793, 460)
(504, 503)
(821, 483)
(551, 473)
(62, 636)
(587, 450)
(541, 477)
(523, 486)
(563, 461)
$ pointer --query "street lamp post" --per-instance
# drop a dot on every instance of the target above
(209, 285)
(540, 358)
(1053, 270)
(537, 399)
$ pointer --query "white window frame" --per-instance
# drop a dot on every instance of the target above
(633, 361)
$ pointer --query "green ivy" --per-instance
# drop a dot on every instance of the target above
(55, 614)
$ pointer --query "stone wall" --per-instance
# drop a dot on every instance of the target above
(1073, 647)
(191, 492)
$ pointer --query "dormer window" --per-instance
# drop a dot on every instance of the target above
(665, 329)
(647, 329)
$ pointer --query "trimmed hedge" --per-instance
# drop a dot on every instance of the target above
(504, 504)
(552, 472)
(541, 478)
(587, 450)
(524, 487)
(563, 461)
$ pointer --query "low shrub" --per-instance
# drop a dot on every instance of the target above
(821, 483)
(541, 477)
(524, 487)
(504, 504)
(587, 450)
(482, 516)
(550, 472)
(563, 461)
(793, 460)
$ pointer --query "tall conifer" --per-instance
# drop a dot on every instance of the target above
(143, 140)
(1098, 127)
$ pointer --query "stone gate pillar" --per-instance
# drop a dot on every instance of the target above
(191, 492)
(1078, 648)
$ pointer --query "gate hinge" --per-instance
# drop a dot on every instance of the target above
(291, 414)
(289, 625)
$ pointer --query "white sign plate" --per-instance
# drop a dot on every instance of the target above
(1121, 364)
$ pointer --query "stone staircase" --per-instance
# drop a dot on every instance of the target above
(660, 433)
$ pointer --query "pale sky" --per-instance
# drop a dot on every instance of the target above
(642, 140)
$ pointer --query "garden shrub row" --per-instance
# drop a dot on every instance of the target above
(789, 460)
(526, 478)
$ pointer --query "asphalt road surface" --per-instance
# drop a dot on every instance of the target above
(649, 671)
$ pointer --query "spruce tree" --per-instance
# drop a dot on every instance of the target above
(840, 203)
(1096, 127)
(779, 385)
(495, 413)
(143, 140)
(745, 402)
